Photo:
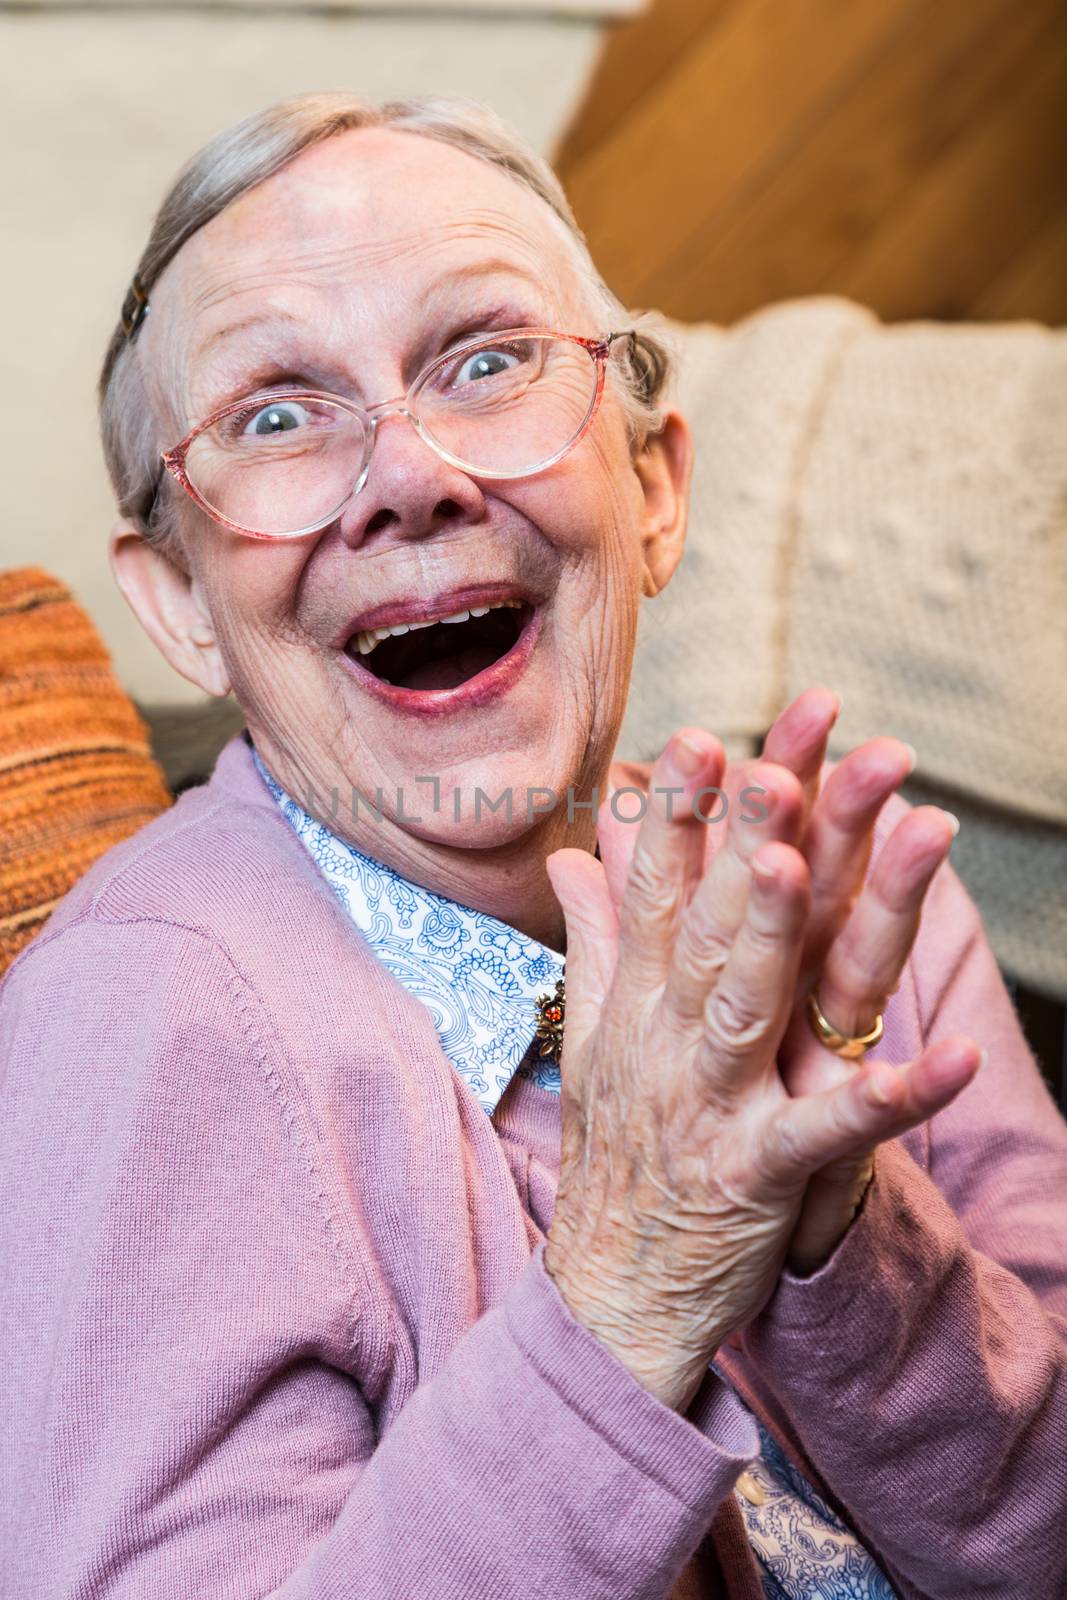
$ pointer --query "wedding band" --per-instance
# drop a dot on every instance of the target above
(850, 1046)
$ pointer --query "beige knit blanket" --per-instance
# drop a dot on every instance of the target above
(884, 509)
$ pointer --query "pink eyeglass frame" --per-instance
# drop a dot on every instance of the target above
(370, 416)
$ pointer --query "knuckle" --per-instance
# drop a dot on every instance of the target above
(714, 954)
(646, 880)
(842, 807)
(649, 897)
(735, 1020)
(895, 894)
(705, 945)
(763, 943)
(832, 901)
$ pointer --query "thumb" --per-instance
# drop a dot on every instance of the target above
(581, 887)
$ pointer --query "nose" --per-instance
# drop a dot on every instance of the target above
(413, 489)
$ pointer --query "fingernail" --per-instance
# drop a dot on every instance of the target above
(913, 755)
(955, 821)
(983, 1057)
(687, 758)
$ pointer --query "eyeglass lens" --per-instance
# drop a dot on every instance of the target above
(505, 407)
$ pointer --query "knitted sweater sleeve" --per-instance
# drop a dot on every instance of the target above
(189, 1333)
(924, 1367)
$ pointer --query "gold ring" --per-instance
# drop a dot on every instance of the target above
(850, 1046)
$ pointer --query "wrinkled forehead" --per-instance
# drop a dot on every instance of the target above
(366, 235)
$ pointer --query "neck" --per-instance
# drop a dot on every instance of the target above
(507, 881)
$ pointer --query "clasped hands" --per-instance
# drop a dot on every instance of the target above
(708, 1138)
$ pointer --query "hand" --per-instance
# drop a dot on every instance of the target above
(684, 1158)
(861, 930)
(859, 934)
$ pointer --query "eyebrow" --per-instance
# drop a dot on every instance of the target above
(281, 316)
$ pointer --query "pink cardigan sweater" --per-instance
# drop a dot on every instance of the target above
(276, 1321)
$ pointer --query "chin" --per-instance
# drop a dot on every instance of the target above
(486, 803)
(472, 688)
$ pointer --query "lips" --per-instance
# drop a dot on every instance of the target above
(440, 655)
(411, 609)
(437, 667)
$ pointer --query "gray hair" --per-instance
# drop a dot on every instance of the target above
(250, 151)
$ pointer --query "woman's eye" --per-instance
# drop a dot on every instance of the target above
(279, 418)
(486, 364)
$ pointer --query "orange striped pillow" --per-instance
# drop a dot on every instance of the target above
(76, 769)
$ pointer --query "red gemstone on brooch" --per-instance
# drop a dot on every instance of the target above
(549, 1028)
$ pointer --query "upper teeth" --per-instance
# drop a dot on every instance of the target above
(366, 641)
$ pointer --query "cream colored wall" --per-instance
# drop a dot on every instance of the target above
(97, 112)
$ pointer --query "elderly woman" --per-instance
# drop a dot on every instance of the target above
(328, 1279)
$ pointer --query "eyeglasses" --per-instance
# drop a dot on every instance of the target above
(282, 464)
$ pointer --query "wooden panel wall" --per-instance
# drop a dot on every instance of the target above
(911, 154)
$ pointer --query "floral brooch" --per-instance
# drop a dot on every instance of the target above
(550, 1010)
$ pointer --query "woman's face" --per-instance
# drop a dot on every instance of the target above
(349, 270)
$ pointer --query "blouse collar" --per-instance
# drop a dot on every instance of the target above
(479, 977)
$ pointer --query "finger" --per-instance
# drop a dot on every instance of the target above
(616, 837)
(581, 888)
(767, 809)
(879, 1102)
(864, 964)
(667, 859)
(798, 738)
(746, 1011)
(840, 837)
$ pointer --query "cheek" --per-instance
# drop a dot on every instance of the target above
(252, 590)
(614, 527)
(589, 507)
(599, 606)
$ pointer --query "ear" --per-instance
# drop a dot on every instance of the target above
(664, 467)
(170, 607)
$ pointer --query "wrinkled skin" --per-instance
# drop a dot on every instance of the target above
(706, 1138)
(699, 1155)
(358, 237)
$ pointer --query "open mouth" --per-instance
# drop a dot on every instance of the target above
(442, 654)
